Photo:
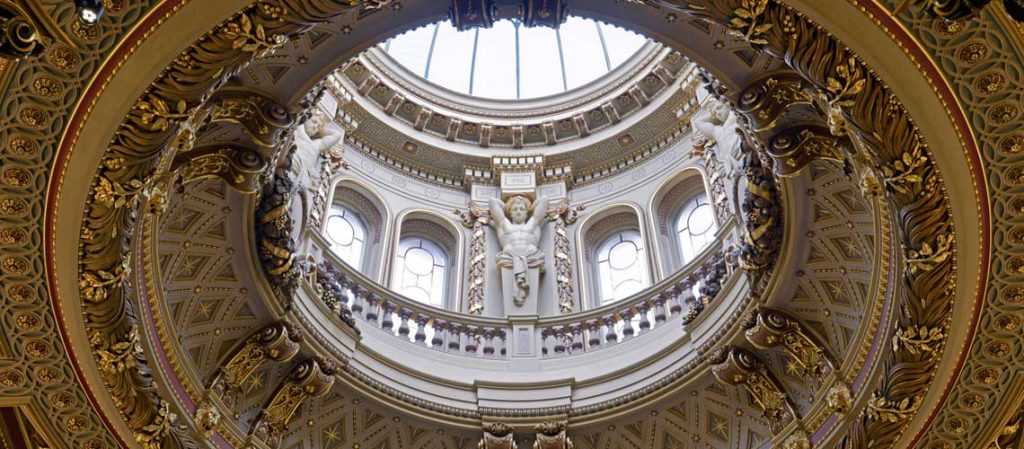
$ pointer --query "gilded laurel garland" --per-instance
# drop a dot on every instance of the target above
(132, 160)
(855, 97)
(475, 218)
(564, 215)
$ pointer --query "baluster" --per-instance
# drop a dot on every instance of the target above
(609, 325)
(345, 284)
(543, 342)
(645, 323)
(503, 340)
(387, 321)
(594, 329)
(359, 293)
(659, 309)
(471, 339)
(403, 326)
(674, 305)
(577, 337)
(421, 328)
(559, 340)
(488, 341)
(373, 307)
(627, 324)
(440, 333)
(455, 343)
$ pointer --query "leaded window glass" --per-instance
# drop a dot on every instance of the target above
(621, 266)
(695, 227)
(421, 271)
(347, 235)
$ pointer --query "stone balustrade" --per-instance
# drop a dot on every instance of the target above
(377, 307)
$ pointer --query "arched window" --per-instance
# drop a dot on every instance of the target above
(347, 234)
(421, 271)
(621, 266)
(695, 227)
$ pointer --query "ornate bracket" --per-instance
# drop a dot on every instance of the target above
(277, 342)
(551, 435)
(497, 436)
(773, 328)
(766, 101)
(310, 379)
(737, 366)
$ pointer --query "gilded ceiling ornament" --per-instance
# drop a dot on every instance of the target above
(22, 147)
(20, 293)
(885, 409)
(919, 340)
(48, 87)
(11, 378)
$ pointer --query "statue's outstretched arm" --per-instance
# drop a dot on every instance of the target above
(331, 137)
(540, 210)
(497, 208)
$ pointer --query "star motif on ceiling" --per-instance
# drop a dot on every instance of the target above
(331, 435)
(720, 428)
(179, 220)
(851, 247)
(188, 266)
(204, 309)
(836, 288)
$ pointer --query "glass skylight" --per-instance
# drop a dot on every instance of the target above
(510, 61)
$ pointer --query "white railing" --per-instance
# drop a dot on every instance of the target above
(378, 307)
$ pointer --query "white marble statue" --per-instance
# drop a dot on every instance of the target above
(718, 123)
(520, 260)
(313, 140)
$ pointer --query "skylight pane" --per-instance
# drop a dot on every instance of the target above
(452, 58)
(621, 43)
(540, 67)
(412, 48)
(445, 56)
(581, 47)
(495, 74)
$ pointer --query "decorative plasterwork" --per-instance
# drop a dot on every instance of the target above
(998, 144)
(385, 90)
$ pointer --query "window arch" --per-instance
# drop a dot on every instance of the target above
(421, 270)
(346, 231)
(695, 227)
(621, 266)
